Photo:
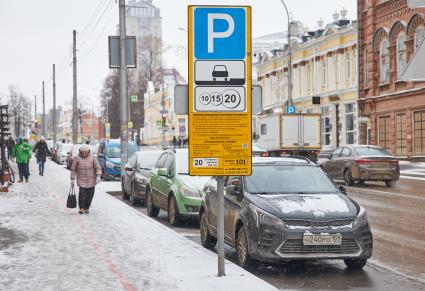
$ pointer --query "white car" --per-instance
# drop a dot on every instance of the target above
(64, 149)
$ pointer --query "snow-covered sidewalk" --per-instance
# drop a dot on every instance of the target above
(45, 246)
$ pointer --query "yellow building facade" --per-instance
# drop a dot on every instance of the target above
(324, 64)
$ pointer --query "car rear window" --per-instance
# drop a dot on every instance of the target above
(369, 151)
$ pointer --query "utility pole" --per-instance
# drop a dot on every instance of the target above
(54, 104)
(290, 103)
(74, 89)
(44, 114)
(123, 88)
(35, 115)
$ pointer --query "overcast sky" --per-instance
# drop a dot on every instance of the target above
(36, 34)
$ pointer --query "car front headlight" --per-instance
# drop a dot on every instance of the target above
(361, 218)
(188, 192)
(109, 165)
(262, 217)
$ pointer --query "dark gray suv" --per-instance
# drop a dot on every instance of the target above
(288, 209)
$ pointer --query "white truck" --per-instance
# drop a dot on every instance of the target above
(291, 134)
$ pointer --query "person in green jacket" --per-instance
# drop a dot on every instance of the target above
(22, 154)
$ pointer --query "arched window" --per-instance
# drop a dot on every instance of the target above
(384, 62)
(366, 69)
(419, 36)
(401, 54)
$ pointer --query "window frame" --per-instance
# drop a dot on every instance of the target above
(418, 29)
(399, 53)
(422, 133)
(387, 138)
(325, 133)
(353, 116)
(401, 135)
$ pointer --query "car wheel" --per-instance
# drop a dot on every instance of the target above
(242, 250)
(207, 240)
(173, 212)
(355, 264)
(361, 182)
(124, 193)
(348, 179)
(151, 209)
(390, 183)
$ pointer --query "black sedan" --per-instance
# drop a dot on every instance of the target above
(137, 173)
(287, 210)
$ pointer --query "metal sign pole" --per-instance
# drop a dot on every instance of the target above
(220, 227)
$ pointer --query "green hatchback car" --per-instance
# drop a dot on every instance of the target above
(171, 189)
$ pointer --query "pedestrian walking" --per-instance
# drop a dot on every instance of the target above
(41, 151)
(86, 169)
(29, 151)
(174, 141)
(179, 141)
(22, 154)
(10, 143)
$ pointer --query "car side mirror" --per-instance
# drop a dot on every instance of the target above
(342, 189)
(234, 190)
(329, 156)
(100, 155)
(128, 168)
(163, 172)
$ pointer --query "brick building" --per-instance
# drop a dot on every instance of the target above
(392, 111)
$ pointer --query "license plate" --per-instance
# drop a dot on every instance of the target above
(322, 239)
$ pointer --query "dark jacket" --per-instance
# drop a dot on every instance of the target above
(10, 143)
(41, 151)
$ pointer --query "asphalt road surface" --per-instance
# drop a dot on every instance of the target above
(397, 218)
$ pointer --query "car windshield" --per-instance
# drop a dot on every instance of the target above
(66, 147)
(114, 152)
(182, 163)
(368, 151)
(285, 179)
(147, 160)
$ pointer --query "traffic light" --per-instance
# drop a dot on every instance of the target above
(164, 120)
(4, 119)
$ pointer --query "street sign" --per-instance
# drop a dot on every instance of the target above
(107, 125)
(290, 109)
(133, 98)
(130, 124)
(114, 52)
(220, 90)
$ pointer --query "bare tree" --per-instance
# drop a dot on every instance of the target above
(18, 109)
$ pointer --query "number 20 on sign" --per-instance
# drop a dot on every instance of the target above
(219, 90)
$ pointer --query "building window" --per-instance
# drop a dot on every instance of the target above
(350, 123)
(401, 143)
(419, 132)
(326, 126)
(385, 62)
(366, 69)
(263, 129)
(419, 36)
(384, 132)
(401, 54)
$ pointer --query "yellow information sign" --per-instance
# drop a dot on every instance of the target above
(220, 90)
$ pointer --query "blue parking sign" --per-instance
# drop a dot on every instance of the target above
(220, 33)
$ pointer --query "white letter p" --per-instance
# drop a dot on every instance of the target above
(224, 34)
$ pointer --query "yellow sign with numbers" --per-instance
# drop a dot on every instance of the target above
(220, 83)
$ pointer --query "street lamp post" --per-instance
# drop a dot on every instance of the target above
(289, 55)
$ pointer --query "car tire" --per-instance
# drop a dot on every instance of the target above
(150, 207)
(390, 183)
(173, 211)
(125, 195)
(133, 199)
(348, 178)
(361, 182)
(355, 264)
(207, 240)
(242, 251)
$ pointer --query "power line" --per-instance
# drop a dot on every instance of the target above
(106, 8)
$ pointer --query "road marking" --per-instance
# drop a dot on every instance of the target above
(358, 191)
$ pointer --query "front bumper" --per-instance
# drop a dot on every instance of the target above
(272, 246)
(189, 206)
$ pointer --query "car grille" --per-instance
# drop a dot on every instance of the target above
(311, 223)
(295, 246)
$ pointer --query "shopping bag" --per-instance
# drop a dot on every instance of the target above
(72, 200)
